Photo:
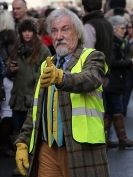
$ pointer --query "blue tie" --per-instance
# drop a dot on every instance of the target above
(61, 62)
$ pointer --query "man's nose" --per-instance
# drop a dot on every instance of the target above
(14, 10)
(59, 35)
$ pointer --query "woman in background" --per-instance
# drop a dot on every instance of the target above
(23, 67)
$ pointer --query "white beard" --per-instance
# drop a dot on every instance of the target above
(61, 51)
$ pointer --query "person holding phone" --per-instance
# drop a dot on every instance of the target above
(23, 66)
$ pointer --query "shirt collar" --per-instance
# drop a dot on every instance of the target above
(67, 58)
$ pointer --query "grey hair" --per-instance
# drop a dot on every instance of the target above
(6, 20)
(74, 19)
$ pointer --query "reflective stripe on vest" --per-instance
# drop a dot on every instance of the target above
(87, 110)
(34, 111)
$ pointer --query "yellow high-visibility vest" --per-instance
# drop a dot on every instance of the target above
(87, 110)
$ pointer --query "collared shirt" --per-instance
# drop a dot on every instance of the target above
(67, 59)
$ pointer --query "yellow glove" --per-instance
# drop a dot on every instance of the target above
(22, 158)
(51, 75)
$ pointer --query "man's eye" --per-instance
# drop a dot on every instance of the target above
(53, 30)
(65, 29)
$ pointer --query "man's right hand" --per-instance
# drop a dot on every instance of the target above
(22, 160)
(51, 75)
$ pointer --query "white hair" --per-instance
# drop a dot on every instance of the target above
(117, 20)
(6, 20)
(74, 20)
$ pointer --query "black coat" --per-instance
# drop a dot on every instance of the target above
(119, 64)
(7, 42)
(104, 32)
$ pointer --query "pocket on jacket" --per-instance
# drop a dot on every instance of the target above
(28, 101)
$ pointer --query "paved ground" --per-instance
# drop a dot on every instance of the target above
(6, 166)
(120, 161)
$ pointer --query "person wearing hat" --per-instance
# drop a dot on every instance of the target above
(23, 66)
(115, 89)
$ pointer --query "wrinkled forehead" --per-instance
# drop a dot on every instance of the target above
(63, 20)
(121, 26)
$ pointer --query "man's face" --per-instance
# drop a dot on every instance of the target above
(64, 36)
(19, 9)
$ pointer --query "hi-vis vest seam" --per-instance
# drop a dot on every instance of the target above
(81, 113)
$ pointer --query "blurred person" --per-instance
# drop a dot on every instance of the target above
(7, 32)
(112, 4)
(6, 120)
(75, 10)
(99, 35)
(99, 32)
(69, 93)
(2, 74)
(48, 10)
(114, 91)
(33, 13)
(3, 5)
(129, 78)
(23, 68)
(130, 32)
(44, 36)
(118, 8)
(20, 12)
(7, 41)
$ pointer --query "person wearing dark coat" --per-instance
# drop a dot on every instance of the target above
(23, 67)
(129, 78)
(114, 91)
(7, 42)
(99, 32)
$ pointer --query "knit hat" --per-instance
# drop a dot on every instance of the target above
(28, 24)
(117, 20)
(92, 5)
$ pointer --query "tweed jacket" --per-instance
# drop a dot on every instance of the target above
(85, 160)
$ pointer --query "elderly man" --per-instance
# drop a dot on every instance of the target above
(64, 130)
